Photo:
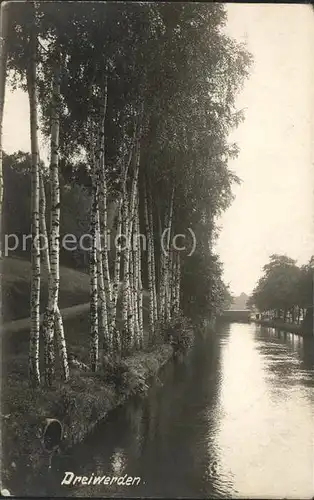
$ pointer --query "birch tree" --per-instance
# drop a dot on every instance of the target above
(191, 105)
(46, 258)
(34, 371)
(151, 316)
(121, 225)
(153, 261)
(139, 284)
(54, 233)
(103, 319)
(129, 213)
(94, 337)
(3, 74)
(164, 285)
(136, 250)
(107, 297)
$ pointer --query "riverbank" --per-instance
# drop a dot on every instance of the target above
(85, 399)
(78, 405)
(281, 325)
(15, 288)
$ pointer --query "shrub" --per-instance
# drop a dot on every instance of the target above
(178, 333)
(126, 380)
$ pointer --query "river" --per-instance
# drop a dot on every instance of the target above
(233, 419)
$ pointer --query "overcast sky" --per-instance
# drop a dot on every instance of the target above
(274, 206)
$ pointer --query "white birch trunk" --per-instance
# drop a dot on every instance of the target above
(33, 364)
(61, 342)
(129, 212)
(121, 230)
(54, 276)
(131, 319)
(103, 317)
(153, 263)
(3, 74)
(177, 283)
(135, 250)
(46, 258)
(94, 337)
(149, 266)
(103, 213)
(162, 273)
(124, 306)
(165, 260)
(173, 281)
(169, 309)
(117, 265)
(139, 282)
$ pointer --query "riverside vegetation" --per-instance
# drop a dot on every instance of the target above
(284, 294)
(137, 101)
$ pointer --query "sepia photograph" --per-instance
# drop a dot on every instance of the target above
(156, 249)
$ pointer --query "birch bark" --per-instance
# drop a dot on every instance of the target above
(46, 258)
(33, 363)
(54, 233)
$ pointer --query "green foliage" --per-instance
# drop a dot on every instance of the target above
(178, 61)
(305, 289)
(204, 292)
(16, 272)
(227, 298)
(178, 333)
(127, 381)
(284, 286)
(16, 176)
(75, 200)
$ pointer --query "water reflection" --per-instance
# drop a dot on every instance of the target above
(234, 418)
(265, 434)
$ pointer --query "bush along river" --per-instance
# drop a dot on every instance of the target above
(232, 418)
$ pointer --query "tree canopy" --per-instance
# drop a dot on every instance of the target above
(177, 62)
(284, 286)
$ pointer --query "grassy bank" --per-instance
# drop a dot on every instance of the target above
(87, 397)
(79, 404)
(15, 281)
(281, 325)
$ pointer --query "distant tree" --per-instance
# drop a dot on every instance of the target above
(305, 289)
(240, 302)
(305, 294)
(228, 297)
(204, 292)
(284, 290)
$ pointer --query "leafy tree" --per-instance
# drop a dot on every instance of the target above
(284, 289)
(164, 113)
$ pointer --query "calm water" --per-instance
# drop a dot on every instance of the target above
(235, 418)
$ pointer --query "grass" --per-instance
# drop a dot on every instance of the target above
(15, 279)
(281, 325)
(79, 404)
(87, 397)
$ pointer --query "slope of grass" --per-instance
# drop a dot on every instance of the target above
(79, 404)
(86, 397)
(15, 279)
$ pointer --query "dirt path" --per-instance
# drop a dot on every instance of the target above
(68, 312)
(25, 323)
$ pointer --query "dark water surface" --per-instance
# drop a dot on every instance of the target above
(234, 418)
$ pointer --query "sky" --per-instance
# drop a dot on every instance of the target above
(274, 206)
